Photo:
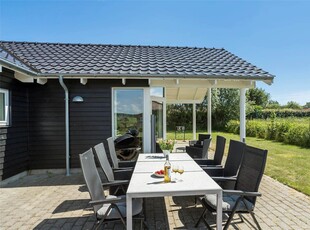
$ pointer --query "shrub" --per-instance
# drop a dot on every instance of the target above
(295, 131)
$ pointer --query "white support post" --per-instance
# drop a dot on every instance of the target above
(164, 120)
(194, 121)
(242, 114)
(147, 121)
(209, 112)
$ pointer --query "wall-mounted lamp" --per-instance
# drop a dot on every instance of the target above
(78, 99)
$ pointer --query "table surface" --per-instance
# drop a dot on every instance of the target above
(153, 157)
(151, 167)
(194, 181)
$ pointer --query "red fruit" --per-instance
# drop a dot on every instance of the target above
(162, 172)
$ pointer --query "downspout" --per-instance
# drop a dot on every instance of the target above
(67, 123)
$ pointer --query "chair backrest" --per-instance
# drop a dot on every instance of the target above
(251, 170)
(202, 137)
(104, 162)
(112, 152)
(219, 150)
(92, 178)
(205, 147)
(234, 157)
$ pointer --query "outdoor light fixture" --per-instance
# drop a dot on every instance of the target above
(77, 99)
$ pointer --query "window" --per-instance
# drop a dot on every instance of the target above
(4, 107)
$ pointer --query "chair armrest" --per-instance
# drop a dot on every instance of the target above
(124, 168)
(194, 152)
(108, 201)
(241, 193)
(205, 162)
(127, 164)
(124, 174)
(223, 179)
(192, 142)
(116, 182)
(214, 171)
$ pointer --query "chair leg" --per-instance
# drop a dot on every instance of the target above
(240, 216)
(231, 215)
(253, 216)
(203, 219)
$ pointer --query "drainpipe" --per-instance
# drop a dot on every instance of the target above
(67, 123)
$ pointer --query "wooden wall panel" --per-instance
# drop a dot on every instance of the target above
(90, 121)
(14, 157)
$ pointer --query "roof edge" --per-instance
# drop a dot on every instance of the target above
(10, 65)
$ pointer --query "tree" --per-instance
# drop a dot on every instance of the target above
(258, 97)
(273, 105)
(225, 107)
(307, 105)
(292, 105)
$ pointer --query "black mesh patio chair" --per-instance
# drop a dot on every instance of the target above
(231, 167)
(243, 198)
(218, 155)
(199, 152)
(106, 208)
(117, 180)
(117, 164)
(199, 142)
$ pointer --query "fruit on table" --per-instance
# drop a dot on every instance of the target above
(161, 172)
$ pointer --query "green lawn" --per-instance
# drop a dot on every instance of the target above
(288, 164)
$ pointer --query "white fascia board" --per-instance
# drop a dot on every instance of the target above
(0, 68)
(183, 101)
(203, 83)
(234, 84)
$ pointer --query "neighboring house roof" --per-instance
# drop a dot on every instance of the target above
(121, 60)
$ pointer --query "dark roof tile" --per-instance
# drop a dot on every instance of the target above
(54, 58)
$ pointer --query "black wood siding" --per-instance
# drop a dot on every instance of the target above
(90, 121)
(14, 156)
(36, 137)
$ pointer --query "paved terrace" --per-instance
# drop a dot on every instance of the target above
(53, 201)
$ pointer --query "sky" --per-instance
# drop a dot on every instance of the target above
(273, 35)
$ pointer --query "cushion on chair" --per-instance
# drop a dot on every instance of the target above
(228, 202)
(113, 214)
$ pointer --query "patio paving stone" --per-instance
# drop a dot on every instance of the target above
(54, 201)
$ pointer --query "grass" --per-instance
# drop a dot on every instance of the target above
(287, 164)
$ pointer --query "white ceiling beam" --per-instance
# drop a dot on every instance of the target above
(0, 68)
(150, 82)
(23, 77)
(195, 94)
(83, 81)
(268, 82)
(177, 81)
(178, 94)
(124, 81)
(41, 81)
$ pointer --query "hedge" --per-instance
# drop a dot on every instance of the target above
(290, 130)
(280, 113)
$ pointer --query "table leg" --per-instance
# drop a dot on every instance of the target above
(129, 212)
(219, 211)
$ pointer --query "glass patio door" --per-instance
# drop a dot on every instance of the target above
(157, 110)
(128, 111)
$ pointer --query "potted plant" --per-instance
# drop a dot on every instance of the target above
(166, 145)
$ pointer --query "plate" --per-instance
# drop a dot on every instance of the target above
(159, 175)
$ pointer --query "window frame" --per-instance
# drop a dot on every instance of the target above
(6, 121)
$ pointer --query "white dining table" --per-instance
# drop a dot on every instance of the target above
(194, 181)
